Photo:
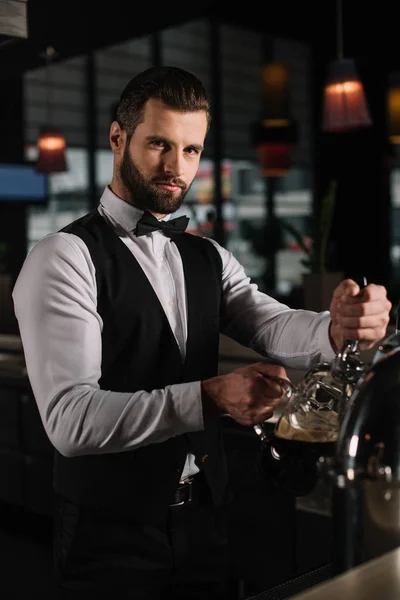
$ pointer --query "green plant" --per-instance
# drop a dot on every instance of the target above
(317, 254)
(268, 238)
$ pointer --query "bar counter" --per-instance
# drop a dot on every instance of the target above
(377, 579)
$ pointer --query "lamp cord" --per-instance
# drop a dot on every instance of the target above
(49, 104)
(339, 29)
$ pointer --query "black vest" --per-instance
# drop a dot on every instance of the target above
(139, 352)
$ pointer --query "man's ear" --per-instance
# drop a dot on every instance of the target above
(117, 138)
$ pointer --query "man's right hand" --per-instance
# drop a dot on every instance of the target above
(248, 394)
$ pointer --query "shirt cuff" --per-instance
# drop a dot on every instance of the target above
(323, 341)
(186, 398)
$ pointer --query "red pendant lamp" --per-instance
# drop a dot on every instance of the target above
(275, 135)
(51, 142)
(345, 107)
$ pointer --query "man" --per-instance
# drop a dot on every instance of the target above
(120, 319)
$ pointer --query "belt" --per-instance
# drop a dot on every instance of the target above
(187, 491)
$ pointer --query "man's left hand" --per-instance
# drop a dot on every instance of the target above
(358, 314)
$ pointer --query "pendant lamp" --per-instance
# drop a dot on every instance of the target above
(51, 142)
(13, 21)
(394, 114)
(275, 135)
(344, 106)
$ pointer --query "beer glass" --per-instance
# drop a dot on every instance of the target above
(307, 429)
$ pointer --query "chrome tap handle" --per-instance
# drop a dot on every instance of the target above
(347, 366)
(352, 345)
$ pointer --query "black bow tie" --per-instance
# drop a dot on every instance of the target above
(148, 223)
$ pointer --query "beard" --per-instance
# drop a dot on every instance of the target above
(145, 194)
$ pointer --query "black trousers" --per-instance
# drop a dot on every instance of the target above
(103, 554)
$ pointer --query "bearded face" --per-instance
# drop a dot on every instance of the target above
(160, 158)
(146, 193)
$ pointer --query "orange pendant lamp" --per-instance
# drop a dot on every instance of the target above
(51, 142)
(345, 106)
(51, 145)
(393, 107)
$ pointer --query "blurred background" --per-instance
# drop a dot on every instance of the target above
(300, 180)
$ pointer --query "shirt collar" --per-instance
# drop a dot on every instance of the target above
(123, 212)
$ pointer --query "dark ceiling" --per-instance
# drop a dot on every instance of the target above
(74, 27)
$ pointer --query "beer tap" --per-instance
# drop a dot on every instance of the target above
(365, 472)
(348, 366)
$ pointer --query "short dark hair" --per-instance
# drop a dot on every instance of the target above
(177, 88)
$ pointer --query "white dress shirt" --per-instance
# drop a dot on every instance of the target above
(55, 300)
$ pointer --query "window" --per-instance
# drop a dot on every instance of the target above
(68, 198)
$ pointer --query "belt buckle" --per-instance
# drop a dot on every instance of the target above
(187, 482)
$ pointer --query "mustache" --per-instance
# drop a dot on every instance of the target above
(177, 182)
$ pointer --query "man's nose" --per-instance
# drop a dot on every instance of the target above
(173, 164)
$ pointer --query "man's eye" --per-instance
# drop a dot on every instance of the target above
(158, 143)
